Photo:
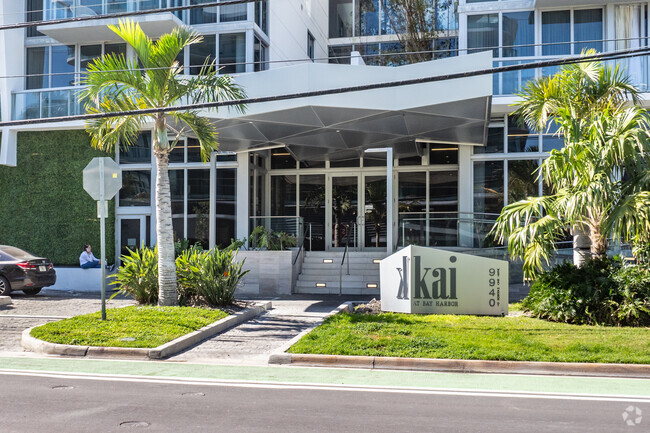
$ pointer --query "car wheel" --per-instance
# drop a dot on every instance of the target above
(5, 287)
(32, 291)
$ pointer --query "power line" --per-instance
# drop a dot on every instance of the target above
(248, 101)
(124, 14)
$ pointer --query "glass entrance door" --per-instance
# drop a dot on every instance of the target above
(132, 229)
(373, 227)
(344, 210)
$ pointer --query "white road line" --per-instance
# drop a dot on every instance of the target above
(328, 387)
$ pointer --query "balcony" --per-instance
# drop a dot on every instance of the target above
(45, 103)
(154, 25)
(509, 83)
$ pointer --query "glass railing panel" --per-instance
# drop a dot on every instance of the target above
(45, 104)
(292, 226)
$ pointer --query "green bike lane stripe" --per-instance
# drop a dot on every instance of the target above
(338, 376)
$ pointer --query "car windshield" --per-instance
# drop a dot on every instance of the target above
(17, 253)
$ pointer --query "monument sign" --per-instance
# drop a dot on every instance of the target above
(433, 281)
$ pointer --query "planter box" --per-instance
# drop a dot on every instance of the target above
(272, 273)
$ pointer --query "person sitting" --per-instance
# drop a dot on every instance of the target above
(87, 260)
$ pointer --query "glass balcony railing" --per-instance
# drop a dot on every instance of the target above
(508, 83)
(46, 103)
(446, 229)
(58, 9)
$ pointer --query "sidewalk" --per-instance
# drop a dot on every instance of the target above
(253, 342)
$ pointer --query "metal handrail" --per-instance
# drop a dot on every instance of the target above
(302, 243)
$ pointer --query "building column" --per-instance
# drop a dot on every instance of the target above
(390, 198)
(465, 197)
(243, 199)
(212, 237)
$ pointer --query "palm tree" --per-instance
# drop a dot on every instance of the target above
(116, 84)
(598, 181)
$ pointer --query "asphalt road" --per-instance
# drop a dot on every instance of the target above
(53, 403)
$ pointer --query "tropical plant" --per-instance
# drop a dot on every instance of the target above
(599, 181)
(137, 277)
(209, 276)
(265, 239)
(115, 84)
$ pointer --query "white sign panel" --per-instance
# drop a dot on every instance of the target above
(432, 281)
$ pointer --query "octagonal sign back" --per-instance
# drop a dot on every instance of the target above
(112, 178)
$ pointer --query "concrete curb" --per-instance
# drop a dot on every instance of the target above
(5, 300)
(280, 356)
(181, 343)
(467, 366)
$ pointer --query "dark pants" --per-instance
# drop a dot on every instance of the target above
(93, 264)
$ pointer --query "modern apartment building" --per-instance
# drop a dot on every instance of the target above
(428, 164)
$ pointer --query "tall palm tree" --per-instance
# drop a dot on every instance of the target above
(599, 180)
(154, 80)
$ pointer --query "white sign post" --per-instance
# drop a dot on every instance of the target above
(433, 281)
(102, 180)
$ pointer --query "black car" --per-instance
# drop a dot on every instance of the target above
(20, 270)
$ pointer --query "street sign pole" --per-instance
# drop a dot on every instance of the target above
(102, 223)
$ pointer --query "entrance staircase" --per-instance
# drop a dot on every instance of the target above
(321, 271)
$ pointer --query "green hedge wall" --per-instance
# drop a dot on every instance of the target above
(43, 206)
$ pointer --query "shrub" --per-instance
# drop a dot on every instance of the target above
(601, 292)
(138, 275)
(263, 238)
(208, 276)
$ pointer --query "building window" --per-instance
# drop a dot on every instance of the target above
(367, 12)
(311, 45)
(139, 153)
(34, 13)
(232, 53)
(488, 187)
(136, 189)
(483, 33)
(518, 34)
(341, 18)
(233, 13)
(202, 53)
(587, 25)
(260, 55)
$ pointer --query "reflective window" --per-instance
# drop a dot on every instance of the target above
(488, 186)
(259, 55)
(556, 28)
(202, 53)
(261, 12)
(206, 15)
(233, 13)
(232, 53)
(520, 138)
(340, 54)
(63, 61)
(443, 154)
(225, 198)
(367, 17)
(198, 206)
(283, 195)
(281, 158)
(34, 13)
(588, 30)
(483, 33)
(136, 188)
(522, 180)
(140, 153)
(38, 66)
(340, 15)
(518, 34)
(494, 142)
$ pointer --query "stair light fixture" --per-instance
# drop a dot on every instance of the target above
(376, 261)
(328, 260)
(321, 284)
(371, 285)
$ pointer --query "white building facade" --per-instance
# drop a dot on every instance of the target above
(429, 164)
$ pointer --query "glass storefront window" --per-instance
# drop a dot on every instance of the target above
(412, 207)
(283, 195)
(518, 36)
(193, 150)
(136, 188)
(178, 152)
(443, 208)
(281, 158)
(198, 206)
(443, 154)
(483, 33)
(522, 180)
(226, 196)
(494, 142)
(347, 162)
(520, 138)
(140, 153)
(232, 53)
(177, 189)
(488, 187)
(551, 139)
(312, 208)
(556, 28)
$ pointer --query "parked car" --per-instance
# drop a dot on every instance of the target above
(20, 270)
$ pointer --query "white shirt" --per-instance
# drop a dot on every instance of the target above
(86, 257)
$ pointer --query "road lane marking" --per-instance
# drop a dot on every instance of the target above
(328, 387)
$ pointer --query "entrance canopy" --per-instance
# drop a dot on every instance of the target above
(343, 125)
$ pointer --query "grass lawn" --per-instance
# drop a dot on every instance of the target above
(517, 338)
(148, 326)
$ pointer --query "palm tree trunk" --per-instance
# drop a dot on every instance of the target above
(581, 245)
(164, 231)
(599, 243)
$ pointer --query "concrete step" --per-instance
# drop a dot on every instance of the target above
(344, 277)
(335, 291)
(335, 284)
(332, 272)
(327, 254)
